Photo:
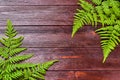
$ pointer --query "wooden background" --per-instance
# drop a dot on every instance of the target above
(46, 26)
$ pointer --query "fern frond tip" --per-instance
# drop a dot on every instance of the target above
(72, 35)
(54, 61)
(104, 59)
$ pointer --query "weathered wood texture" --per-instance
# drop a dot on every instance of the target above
(46, 26)
(37, 15)
(75, 58)
(38, 2)
(53, 36)
(83, 75)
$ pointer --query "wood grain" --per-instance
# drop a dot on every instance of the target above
(38, 2)
(46, 26)
(97, 75)
(83, 75)
(75, 58)
(37, 15)
(56, 36)
(60, 75)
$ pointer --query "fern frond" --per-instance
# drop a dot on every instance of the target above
(4, 52)
(38, 76)
(25, 65)
(39, 71)
(11, 67)
(109, 39)
(27, 73)
(16, 59)
(81, 18)
(5, 42)
(105, 12)
(116, 8)
(118, 22)
(16, 74)
(17, 66)
(16, 45)
(106, 9)
(46, 65)
(97, 2)
(95, 20)
(16, 51)
(10, 31)
(86, 6)
(31, 78)
(17, 40)
(7, 77)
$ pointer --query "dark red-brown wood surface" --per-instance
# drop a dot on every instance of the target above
(46, 26)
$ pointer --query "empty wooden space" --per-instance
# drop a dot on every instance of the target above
(46, 26)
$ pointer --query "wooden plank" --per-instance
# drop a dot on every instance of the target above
(97, 75)
(56, 36)
(83, 75)
(38, 2)
(75, 58)
(37, 15)
(60, 75)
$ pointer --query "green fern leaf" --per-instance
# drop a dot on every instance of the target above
(10, 31)
(109, 39)
(16, 45)
(16, 74)
(4, 52)
(11, 67)
(46, 65)
(16, 51)
(105, 12)
(17, 59)
(40, 71)
(31, 78)
(17, 40)
(5, 43)
(25, 65)
(81, 18)
(16, 66)
(97, 2)
(85, 5)
(38, 75)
